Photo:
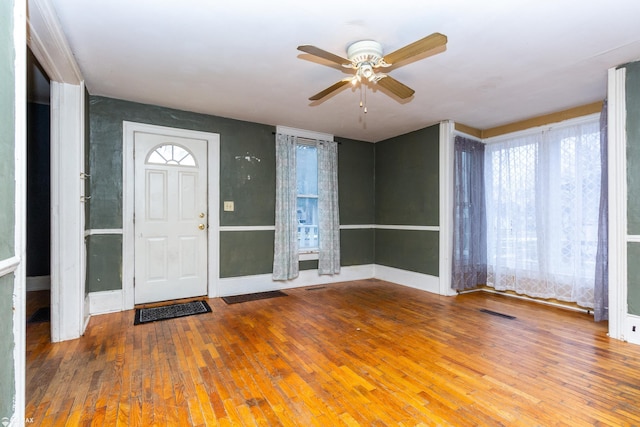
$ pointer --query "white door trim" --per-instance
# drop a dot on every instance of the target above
(67, 212)
(16, 264)
(48, 43)
(617, 158)
(128, 203)
(447, 129)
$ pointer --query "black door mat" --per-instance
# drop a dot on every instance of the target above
(153, 314)
(40, 315)
(253, 297)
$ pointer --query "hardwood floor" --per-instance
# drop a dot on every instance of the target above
(366, 353)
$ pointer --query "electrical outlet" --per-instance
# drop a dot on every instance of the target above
(228, 206)
(633, 331)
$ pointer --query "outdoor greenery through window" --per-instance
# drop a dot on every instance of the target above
(307, 205)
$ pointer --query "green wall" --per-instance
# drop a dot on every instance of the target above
(633, 184)
(357, 246)
(246, 253)
(356, 193)
(633, 147)
(7, 130)
(7, 368)
(412, 250)
(247, 177)
(7, 215)
(407, 183)
(407, 193)
(104, 262)
(633, 278)
(356, 165)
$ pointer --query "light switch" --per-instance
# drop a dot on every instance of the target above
(228, 206)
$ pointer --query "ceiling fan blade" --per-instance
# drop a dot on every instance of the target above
(395, 87)
(316, 51)
(428, 43)
(329, 90)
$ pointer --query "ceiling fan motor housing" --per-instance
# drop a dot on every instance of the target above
(365, 51)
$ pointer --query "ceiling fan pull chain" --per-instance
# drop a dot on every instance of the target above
(365, 99)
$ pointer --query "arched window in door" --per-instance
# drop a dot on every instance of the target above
(171, 154)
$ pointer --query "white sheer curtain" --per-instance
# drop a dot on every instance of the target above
(328, 212)
(543, 197)
(285, 254)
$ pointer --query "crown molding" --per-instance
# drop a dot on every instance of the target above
(46, 39)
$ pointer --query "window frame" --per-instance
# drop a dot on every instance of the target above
(312, 137)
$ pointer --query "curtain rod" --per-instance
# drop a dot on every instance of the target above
(310, 139)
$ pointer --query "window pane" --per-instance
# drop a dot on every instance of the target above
(171, 155)
(307, 222)
(307, 183)
(307, 169)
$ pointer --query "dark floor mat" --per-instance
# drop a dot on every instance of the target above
(40, 315)
(253, 297)
(152, 314)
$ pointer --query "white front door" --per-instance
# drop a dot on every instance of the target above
(170, 219)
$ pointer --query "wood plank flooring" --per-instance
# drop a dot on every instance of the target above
(364, 353)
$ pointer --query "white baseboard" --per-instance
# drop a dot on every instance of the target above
(424, 282)
(38, 283)
(105, 302)
(630, 335)
(112, 301)
(264, 282)
(87, 312)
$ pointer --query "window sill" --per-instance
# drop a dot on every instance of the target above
(308, 255)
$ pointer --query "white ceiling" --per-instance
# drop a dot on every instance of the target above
(505, 61)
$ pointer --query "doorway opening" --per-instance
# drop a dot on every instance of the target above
(38, 247)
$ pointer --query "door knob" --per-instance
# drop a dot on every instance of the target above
(201, 226)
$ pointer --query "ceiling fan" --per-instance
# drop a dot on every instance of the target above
(366, 56)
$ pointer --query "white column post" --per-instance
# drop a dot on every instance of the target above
(617, 165)
(446, 206)
(67, 212)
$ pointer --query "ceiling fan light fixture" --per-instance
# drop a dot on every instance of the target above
(366, 70)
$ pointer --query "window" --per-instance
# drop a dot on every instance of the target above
(307, 220)
(543, 198)
(171, 155)
(307, 203)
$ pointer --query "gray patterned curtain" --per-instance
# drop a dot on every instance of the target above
(285, 253)
(469, 261)
(601, 291)
(328, 212)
